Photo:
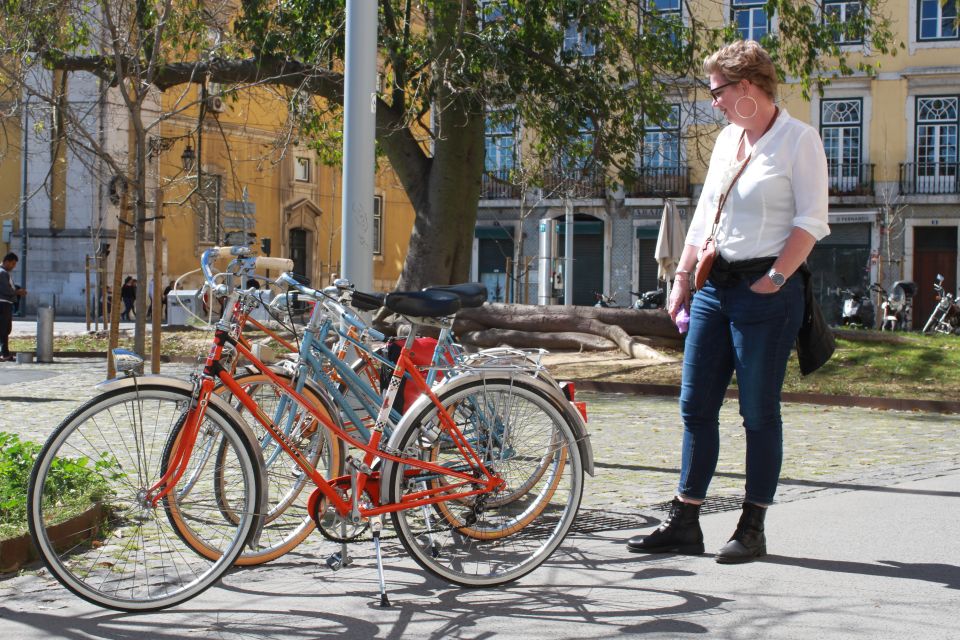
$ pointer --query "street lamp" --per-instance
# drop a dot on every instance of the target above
(188, 158)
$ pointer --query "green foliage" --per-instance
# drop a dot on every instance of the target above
(77, 483)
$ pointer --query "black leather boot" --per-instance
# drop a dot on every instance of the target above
(748, 541)
(679, 533)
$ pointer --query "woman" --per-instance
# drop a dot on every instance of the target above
(745, 319)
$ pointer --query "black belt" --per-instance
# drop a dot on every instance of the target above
(726, 274)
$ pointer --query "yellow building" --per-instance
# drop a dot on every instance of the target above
(10, 134)
(259, 187)
(247, 184)
(891, 142)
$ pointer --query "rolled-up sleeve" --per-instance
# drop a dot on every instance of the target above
(810, 185)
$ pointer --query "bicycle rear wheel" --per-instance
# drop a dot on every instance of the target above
(87, 513)
(488, 540)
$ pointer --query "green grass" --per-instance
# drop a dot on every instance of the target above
(172, 343)
(77, 483)
(907, 366)
(922, 367)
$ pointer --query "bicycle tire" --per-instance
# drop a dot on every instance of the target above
(472, 545)
(119, 553)
(287, 522)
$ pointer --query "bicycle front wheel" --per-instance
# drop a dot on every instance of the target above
(87, 510)
(496, 537)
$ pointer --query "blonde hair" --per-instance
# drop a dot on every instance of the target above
(744, 59)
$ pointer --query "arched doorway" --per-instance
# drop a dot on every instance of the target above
(302, 233)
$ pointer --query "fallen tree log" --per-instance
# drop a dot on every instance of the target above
(556, 318)
(610, 334)
(558, 340)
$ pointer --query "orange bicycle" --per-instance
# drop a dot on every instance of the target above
(128, 533)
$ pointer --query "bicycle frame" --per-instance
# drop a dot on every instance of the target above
(362, 472)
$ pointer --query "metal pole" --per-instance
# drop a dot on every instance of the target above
(86, 297)
(23, 202)
(157, 301)
(359, 129)
(568, 253)
(45, 317)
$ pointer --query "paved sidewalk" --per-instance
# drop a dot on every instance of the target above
(863, 544)
(67, 326)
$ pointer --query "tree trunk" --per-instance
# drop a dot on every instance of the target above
(542, 326)
(445, 194)
(139, 227)
(549, 318)
(559, 340)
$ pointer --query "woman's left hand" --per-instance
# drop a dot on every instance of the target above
(764, 286)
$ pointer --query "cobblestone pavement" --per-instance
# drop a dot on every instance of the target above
(636, 439)
(883, 574)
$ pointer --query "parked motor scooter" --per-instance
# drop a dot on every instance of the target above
(857, 309)
(945, 317)
(605, 300)
(896, 308)
(649, 299)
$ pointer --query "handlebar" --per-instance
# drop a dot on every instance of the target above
(243, 256)
(343, 314)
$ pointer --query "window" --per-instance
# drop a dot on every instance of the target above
(302, 170)
(936, 20)
(491, 11)
(378, 225)
(937, 127)
(209, 223)
(661, 143)
(577, 155)
(662, 16)
(841, 127)
(750, 18)
(843, 17)
(578, 41)
(500, 142)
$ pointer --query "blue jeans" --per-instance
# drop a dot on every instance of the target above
(736, 330)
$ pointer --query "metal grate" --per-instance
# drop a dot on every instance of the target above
(599, 520)
(710, 505)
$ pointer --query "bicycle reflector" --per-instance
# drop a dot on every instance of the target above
(570, 393)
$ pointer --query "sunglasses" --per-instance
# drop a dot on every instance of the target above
(716, 91)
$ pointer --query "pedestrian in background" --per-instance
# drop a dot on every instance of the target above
(9, 294)
(163, 300)
(128, 294)
(764, 202)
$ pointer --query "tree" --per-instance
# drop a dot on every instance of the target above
(559, 63)
(130, 42)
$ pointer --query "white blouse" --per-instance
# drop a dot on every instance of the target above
(783, 186)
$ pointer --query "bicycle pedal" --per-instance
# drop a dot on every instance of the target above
(434, 551)
(335, 561)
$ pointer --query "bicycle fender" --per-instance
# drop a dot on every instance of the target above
(152, 381)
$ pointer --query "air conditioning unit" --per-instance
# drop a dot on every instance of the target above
(216, 104)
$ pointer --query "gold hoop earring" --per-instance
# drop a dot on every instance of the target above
(736, 107)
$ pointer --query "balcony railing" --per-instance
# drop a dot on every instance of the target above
(929, 177)
(850, 179)
(497, 185)
(586, 183)
(660, 182)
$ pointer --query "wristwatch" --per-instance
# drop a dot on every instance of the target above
(776, 278)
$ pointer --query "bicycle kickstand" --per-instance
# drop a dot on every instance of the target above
(376, 526)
